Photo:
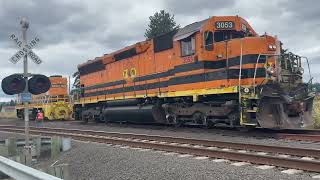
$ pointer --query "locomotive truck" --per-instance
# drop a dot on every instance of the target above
(218, 71)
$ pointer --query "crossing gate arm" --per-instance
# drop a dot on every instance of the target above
(21, 172)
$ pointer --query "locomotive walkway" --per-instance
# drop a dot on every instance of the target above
(288, 157)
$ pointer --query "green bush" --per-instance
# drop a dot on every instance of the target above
(316, 112)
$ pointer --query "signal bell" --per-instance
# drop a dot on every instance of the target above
(39, 84)
(13, 84)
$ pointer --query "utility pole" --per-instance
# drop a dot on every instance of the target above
(24, 26)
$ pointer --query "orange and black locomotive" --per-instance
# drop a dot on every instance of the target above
(218, 71)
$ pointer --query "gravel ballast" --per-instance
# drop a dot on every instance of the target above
(99, 161)
(89, 160)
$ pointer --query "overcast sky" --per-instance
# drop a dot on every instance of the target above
(73, 31)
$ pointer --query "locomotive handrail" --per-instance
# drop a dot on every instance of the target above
(240, 72)
(256, 67)
(310, 80)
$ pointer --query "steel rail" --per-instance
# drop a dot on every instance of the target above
(300, 137)
(204, 142)
(308, 165)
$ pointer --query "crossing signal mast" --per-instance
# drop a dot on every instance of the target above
(20, 83)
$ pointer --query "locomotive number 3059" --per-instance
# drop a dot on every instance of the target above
(224, 25)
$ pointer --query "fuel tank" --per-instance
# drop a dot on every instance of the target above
(133, 114)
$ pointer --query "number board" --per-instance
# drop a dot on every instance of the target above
(224, 25)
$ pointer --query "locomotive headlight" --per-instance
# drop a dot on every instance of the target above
(246, 90)
(272, 47)
(301, 70)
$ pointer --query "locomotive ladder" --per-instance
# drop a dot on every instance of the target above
(248, 112)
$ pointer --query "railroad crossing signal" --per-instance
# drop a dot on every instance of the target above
(25, 50)
(20, 83)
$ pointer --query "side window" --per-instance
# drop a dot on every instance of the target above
(188, 46)
(208, 40)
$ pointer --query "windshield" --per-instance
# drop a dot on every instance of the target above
(227, 35)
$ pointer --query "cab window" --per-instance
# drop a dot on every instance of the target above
(188, 46)
(208, 40)
(226, 35)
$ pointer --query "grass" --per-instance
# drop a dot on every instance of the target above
(316, 112)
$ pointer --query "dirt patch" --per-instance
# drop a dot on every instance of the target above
(8, 115)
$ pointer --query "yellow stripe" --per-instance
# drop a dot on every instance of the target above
(197, 92)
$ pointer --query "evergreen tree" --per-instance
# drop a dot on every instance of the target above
(160, 23)
(12, 103)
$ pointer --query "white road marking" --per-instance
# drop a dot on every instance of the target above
(154, 142)
(226, 149)
(124, 147)
(212, 148)
(136, 148)
(117, 145)
(201, 157)
(284, 155)
(162, 142)
(144, 140)
(240, 163)
(307, 158)
(316, 177)
(292, 171)
(264, 167)
(262, 153)
(185, 145)
(185, 155)
(220, 160)
(242, 151)
(197, 146)
(173, 143)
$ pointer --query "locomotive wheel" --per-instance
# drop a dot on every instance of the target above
(209, 125)
(85, 119)
(106, 119)
(178, 124)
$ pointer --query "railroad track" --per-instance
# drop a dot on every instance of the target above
(288, 157)
(312, 135)
(292, 134)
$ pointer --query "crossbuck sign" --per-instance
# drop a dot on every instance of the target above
(25, 50)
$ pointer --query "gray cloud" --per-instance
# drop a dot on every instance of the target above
(72, 32)
(190, 8)
(46, 18)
